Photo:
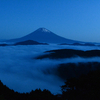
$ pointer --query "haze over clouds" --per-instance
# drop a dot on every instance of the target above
(19, 69)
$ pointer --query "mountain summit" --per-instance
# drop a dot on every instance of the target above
(43, 35)
(43, 30)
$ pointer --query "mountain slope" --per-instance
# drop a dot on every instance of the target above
(29, 42)
(43, 35)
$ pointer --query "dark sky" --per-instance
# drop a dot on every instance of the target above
(72, 19)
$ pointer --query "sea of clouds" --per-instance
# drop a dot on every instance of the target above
(20, 71)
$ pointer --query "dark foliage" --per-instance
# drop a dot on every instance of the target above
(68, 53)
(69, 70)
(8, 94)
(86, 87)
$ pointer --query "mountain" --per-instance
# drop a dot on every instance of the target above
(29, 42)
(80, 44)
(43, 35)
(69, 53)
(4, 44)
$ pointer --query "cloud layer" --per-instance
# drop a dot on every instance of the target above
(21, 72)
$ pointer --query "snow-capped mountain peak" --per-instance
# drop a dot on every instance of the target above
(43, 30)
(43, 35)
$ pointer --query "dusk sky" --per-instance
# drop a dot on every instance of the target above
(72, 19)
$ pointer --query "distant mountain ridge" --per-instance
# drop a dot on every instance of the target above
(30, 42)
(43, 35)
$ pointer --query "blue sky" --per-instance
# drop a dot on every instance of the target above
(72, 19)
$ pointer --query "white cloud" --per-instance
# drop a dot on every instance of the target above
(21, 72)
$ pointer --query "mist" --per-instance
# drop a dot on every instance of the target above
(20, 71)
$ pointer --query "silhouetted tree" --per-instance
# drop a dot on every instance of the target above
(8, 94)
(86, 87)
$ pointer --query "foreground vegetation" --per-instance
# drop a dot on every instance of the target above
(8, 94)
(85, 87)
